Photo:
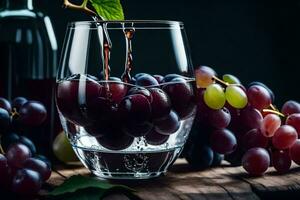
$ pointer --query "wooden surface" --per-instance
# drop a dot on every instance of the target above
(223, 182)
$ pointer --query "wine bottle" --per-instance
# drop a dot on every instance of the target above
(28, 60)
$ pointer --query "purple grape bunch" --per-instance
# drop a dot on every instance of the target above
(22, 169)
(241, 125)
(114, 112)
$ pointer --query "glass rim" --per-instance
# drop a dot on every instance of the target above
(117, 24)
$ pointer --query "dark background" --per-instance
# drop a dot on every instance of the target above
(252, 39)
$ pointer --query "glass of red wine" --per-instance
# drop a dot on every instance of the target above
(125, 93)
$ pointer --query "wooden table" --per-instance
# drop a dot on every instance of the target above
(223, 182)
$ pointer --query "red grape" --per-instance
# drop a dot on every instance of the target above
(200, 156)
(290, 107)
(159, 78)
(155, 138)
(67, 99)
(136, 108)
(219, 118)
(181, 95)
(141, 90)
(4, 103)
(295, 152)
(9, 139)
(170, 77)
(168, 125)
(26, 182)
(284, 137)
(44, 159)
(204, 76)
(32, 113)
(267, 88)
(117, 90)
(139, 74)
(26, 141)
(98, 109)
(256, 161)
(116, 140)
(254, 138)
(5, 120)
(259, 97)
(137, 129)
(38, 166)
(250, 118)
(98, 129)
(18, 102)
(270, 124)
(223, 141)
(160, 104)
(146, 80)
(294, 121)
(3, 170)
(17, 154)
(281, 161)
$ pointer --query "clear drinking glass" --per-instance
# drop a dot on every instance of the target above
(126, 95)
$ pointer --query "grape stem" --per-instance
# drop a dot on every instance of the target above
(274, 107)
(14, 112)
(83, 7)
(1, 149)
(220, 80)
(223, 82)
(274, 112)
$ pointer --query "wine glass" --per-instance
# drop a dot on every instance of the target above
(125, 93)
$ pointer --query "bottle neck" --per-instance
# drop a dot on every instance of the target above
(19, 4)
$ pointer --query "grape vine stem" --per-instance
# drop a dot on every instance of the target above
(83, 7)
(223, 82)
(274, 112)
(273, 107)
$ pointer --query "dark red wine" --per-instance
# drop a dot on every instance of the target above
(107, 49)
(129, 33)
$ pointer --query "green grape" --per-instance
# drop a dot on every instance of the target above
(236, 96)
(63, 150)
(231, 79)
(214, 96)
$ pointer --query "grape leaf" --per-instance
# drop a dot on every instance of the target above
(84, 194)
(108, 9)
(78, 182)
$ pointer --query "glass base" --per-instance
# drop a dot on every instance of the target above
(127, 176)
(127, 165)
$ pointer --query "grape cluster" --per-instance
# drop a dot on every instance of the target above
(243, 125)
(150, 106)
(20, 113)
(22, 170)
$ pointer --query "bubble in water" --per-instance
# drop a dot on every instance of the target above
(135, 162)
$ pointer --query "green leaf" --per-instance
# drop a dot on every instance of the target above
(108, 9)
(87, 194)
(78, 182)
